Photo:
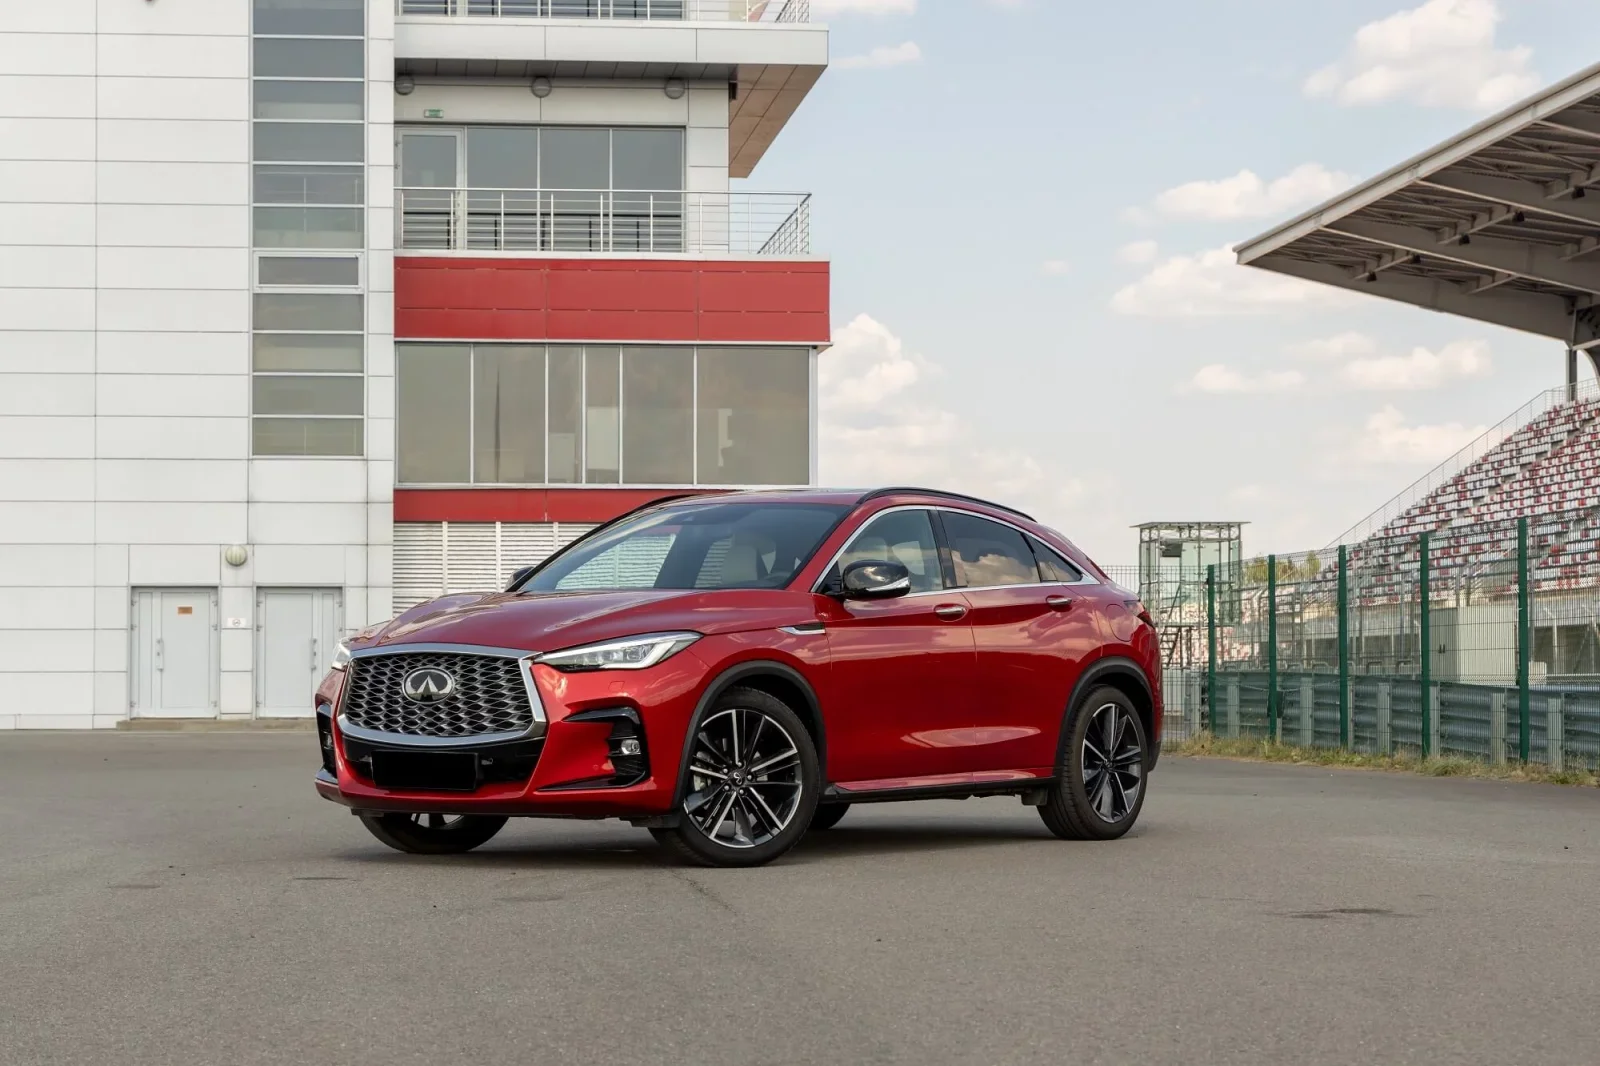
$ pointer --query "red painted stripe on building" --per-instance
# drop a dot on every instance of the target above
(521, 505)
(742, 301)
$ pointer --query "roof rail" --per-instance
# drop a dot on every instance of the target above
(904, 490)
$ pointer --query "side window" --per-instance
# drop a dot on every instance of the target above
(904, 537)
(1052, 566)
(987, 553)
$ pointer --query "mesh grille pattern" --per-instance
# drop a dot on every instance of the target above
(489, 696)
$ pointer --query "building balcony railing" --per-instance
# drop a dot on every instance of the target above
(665, 10)
(578, 221)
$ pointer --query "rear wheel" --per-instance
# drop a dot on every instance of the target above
(752, 785)
(828, 815)
(1100, 773)
(432, 834)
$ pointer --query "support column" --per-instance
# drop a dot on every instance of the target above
(1572, 375)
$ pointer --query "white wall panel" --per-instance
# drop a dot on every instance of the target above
(172, 226)
(173, 268)
(63, 352)
(295, 564)
(45, 96)
(174, 523)
(380, 438)
(380, 481)
(172, 438)
(46, 267)
(155, 56)
(51, 690)
(110, 650)
(184, 184)
(46, 182)
(54, 16)
(110, 607)
(46, 650)
(619, 43)
(174, 564)
(110, 700)
(174, 140)
(22, 480)
(110, 564)
(708, 179)
(174, 395)
(172, 480)
(308, 481)
(52, 565)
(175, 16)
(171, 310)
(380, 397)
(708, 106)
(31, 607)
(308, 523)
(45, 523)
(707, 147)
(47, 53)
(174, 353)
(57, 139)
(46, 394)
(53, 224)
(212, 99)
(46, 438)
(47, 309)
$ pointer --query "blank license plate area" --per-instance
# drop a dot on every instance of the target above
(425, 771)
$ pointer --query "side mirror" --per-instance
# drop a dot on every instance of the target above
(872, 580)
(520, 576)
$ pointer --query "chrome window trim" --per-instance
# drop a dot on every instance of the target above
(526, 660)
(1085, 580)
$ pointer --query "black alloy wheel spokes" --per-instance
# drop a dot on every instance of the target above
(744, 778)
(1113, 764)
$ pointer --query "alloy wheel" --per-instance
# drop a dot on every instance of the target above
(1113, 763)
(745, 778)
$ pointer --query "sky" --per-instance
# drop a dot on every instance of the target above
(1030, 207)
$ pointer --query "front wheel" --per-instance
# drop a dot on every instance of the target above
(752, 786)
(432, 834)
(828, 815)
(1100, 773)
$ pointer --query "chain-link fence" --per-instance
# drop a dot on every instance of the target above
(1483, 642)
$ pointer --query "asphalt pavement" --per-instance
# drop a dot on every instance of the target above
(189, 899)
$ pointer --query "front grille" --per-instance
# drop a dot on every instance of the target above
(489, 696)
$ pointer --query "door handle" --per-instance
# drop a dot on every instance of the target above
(1060, 603)
(313, 655)
(950, 611)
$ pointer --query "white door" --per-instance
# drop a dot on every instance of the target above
(297, 631)
(174, 654)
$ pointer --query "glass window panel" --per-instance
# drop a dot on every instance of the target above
(306, 142)
(433, 414)
(754, 416)
(566, 415)
(575, 159)
(647, 159)
(904, 537)
(313, 18)
(1052, 567)
(508, 420)
(309, 270)
(602, 401)
(630, 564)
(429, 160)
(310, 185)
(309, 99)
(658, 416)
(308, 312)
(317, 394)
(503, 158)
(321, 352)
(987, 553)
(310, 227)
(309, 58)
(306, 436)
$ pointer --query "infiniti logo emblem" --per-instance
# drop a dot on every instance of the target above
(428, 685)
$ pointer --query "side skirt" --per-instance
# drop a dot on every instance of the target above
(1032, 790)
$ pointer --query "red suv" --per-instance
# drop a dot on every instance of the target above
(729, 671)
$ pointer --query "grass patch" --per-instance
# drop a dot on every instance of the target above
(1259, 749)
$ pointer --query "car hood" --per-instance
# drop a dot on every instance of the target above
(551, 621)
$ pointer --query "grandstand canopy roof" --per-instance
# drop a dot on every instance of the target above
(1499, 224)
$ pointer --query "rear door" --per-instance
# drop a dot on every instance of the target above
(1033, 633)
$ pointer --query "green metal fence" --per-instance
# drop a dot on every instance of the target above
(1483, 642)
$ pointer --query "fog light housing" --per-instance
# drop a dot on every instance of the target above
(630, 746)
(325, 739)
(625, 747)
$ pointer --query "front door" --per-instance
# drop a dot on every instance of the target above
(297, 631)
(900, 683)
(430, 173)
(173, 665)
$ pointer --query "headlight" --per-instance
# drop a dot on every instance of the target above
(341, 657)
(634, 653)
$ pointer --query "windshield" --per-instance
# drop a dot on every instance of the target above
(695, 546)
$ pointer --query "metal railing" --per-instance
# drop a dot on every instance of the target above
(582, 220)
(667, 10)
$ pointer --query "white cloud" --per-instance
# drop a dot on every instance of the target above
(1056, 267)
(882, 56)
(1387, 439)
(1345, 345)
(825, 8)
(1422, 369)
(1441, 54)
(1219, 378)
(1246, 195)
(876, 429)
(1213, 284)
(1138, 253)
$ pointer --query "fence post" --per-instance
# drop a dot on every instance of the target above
(1555, 734)
(1524, 644)
(1211, 646)
(1344, 647)
(1426, 638)
(1272, 648)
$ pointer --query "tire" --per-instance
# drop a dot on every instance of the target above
(1098, 794)
(432, 834)
(729, 815)
(828, 815)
